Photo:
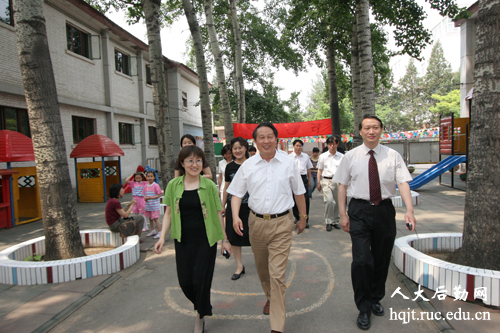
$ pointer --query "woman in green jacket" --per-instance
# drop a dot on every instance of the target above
(194, 213)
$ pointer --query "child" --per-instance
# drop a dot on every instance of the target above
(137, 186)
(152, 193)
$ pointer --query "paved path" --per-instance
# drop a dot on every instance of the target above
(146, 296)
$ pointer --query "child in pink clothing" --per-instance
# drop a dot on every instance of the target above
(152, 193)
(137, 186)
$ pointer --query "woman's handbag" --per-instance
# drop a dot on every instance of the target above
(129, 227)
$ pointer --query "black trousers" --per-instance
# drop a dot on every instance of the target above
(195, 270)
(295, 209)
(373, 230)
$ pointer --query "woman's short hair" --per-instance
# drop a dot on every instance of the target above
(315, 150)
(190, 137)
(185, 153)
(243, 143)
(114, 190)
(252, 149)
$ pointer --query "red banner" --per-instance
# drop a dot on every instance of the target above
(288, 130)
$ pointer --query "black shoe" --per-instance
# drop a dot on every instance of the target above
(307, 225)
(337, 226)
(237, 276)
(363, 320)
(328, 227)
(377, 309)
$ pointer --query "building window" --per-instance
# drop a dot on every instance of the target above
(82, 128)
(6, 14)
(122, 62)
(153, 139)
(126, 133)
(149, 79)
(15, 120)
(184, 100)
(78, 41)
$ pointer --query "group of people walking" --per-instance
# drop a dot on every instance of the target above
(264, 195)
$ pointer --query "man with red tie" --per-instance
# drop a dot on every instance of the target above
(368, 174)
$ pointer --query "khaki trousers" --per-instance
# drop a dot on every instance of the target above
(271, 241)
(330, 190)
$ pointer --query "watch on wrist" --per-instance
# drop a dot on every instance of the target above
(305, 216)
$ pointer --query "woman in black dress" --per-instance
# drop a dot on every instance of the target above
(239, 148)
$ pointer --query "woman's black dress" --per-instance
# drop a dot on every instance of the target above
(194, 257)
(232, 236)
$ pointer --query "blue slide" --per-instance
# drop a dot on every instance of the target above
(436, 170)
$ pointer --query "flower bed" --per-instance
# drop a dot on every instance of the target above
(429, 272)
(13, 270)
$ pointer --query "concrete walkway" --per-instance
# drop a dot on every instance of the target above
(146, 296)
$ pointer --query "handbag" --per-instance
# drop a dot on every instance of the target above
(129, 228)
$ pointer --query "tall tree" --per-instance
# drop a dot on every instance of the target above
(481, 235)
(62, 234)
(219, 66)
(367, 77)
(238, 62)
(160, 99)
(206, 112)
(411, 97)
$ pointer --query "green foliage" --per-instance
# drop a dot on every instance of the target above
(34, 257)
(447, 104)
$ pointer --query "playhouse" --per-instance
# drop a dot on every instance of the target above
(93, 179)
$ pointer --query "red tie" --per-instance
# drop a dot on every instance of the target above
(375, 193)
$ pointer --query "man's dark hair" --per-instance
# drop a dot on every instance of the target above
(333, 139)
(114, 190)
(369, 116)
(271, 126)
(315, 150)
(252, 149)
(243, 143)
(190, 137)
(298, 140)
(185, 153)
(225, 149)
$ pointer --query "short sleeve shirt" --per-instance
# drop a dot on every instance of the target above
(329, 163)
(303, 162)
(151, 191)
(353, 171)
(269, 184)
(110, 212)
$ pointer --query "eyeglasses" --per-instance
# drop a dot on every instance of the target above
(191, 162)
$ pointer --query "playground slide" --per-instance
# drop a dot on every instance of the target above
(436, 170)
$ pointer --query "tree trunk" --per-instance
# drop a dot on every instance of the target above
(238, 62)
(160, 101)
(219, 66)
(206, 112)
(481, 236)
(333, 93)
(367, 82)
(356, 98)
(60, 224)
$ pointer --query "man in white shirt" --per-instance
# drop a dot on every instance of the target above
(305, 165)
(369, 174)
(270, 179)
(328, 163)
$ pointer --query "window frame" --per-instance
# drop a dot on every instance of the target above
(153, 138)
(11, 13)
(126, 70)
(3, 120)
(82, 36)
(85, 120)
(126, 138)
(149, 75)
(184, 100)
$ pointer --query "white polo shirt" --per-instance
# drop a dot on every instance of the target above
(329, 163)
(303, 162)
(353, 171)
(269, 184)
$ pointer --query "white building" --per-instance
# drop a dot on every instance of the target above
(103, 81)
